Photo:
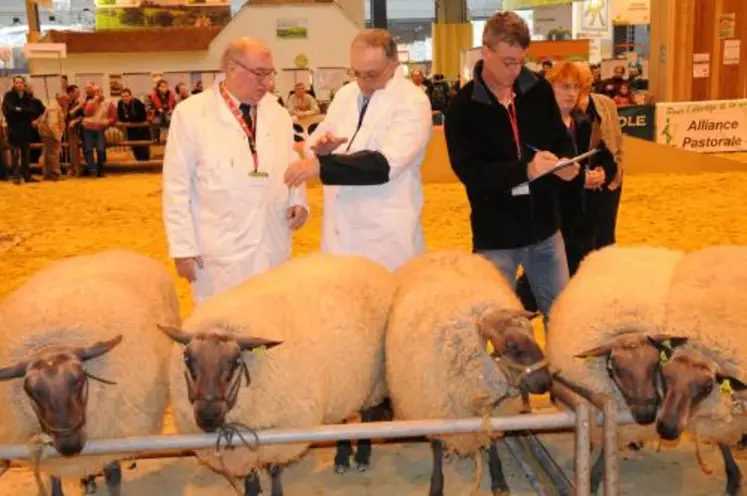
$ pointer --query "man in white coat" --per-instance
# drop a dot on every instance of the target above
(367, 153)
(227, 212)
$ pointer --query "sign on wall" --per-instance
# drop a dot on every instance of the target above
(292, 29)
(631, 11)
(591, 20)
(637, 121)
(706, 127)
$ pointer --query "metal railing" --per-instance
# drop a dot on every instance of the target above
(576, 416)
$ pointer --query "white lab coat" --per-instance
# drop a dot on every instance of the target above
(380, 222)
(211, 206)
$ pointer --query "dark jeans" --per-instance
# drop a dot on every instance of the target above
(21, 153)
(94, 139)
(608, 204)
(544, 263)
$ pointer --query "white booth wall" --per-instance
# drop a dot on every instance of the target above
(329, 33)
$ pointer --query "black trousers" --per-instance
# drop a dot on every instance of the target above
(608, 205)
(21, 153)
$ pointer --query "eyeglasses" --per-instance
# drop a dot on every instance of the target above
(508, 62)
(366, 75)
(260, 74)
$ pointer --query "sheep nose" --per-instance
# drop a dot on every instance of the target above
(668, 431)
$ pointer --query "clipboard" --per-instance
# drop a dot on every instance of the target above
(523, 188)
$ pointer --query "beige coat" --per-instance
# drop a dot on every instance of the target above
(52, 123)
(611, 133)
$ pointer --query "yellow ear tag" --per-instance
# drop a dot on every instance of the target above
(663, 357)
(259, 351)
(726, 387)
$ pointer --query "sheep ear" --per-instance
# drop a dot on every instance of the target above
(599, 351)
(177, 335)
(736, 380)
(664, 342)
(98, 349)
(14, 371)
(249, 343)
(492, 320)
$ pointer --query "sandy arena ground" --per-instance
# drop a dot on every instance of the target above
(46, 222)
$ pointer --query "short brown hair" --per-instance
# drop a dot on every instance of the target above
(378, 38)
(506, 27)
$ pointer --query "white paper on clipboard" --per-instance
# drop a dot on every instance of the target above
(523, 188)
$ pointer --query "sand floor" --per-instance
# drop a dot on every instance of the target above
(40, 223)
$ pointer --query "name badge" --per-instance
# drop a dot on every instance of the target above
(522, 189)
(259, 174)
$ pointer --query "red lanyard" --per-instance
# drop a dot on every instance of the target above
(514, 126)
(249, 131)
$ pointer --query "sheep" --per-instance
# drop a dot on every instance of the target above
(87, 317)
(704, 380)
(447, 306)
(606, 332)
(330, 314)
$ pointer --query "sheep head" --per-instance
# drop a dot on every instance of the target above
(515, 349)
(214, 368)
(57, 385)
(634, 366)
(689, 378)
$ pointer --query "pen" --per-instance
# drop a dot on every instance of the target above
(533, 148)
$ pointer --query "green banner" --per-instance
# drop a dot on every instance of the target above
(637, 121)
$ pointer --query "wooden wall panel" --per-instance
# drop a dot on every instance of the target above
(703, 29)
(686, 27)
(728, 81)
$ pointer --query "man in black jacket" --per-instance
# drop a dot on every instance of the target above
(19, 112)
(494, 128)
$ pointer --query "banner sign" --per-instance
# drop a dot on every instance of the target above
(708, 127)
(128, 14)
(637, 121)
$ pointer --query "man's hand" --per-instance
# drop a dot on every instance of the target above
(595, 178)
(327, 143)
(301, 171)
(185, 267)
(541, 162)
(297, 216)
(568, 172)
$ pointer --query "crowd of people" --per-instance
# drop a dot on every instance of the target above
(81, 120)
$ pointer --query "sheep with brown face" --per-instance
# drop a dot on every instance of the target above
(633, 364)
(83, 359)
(56, 383)
(298, 346)
(607, 329)
(448, 306)
(707, 304)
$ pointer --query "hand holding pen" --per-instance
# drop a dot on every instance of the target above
(544, 161)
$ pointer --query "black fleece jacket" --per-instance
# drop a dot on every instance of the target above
(484, 157)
